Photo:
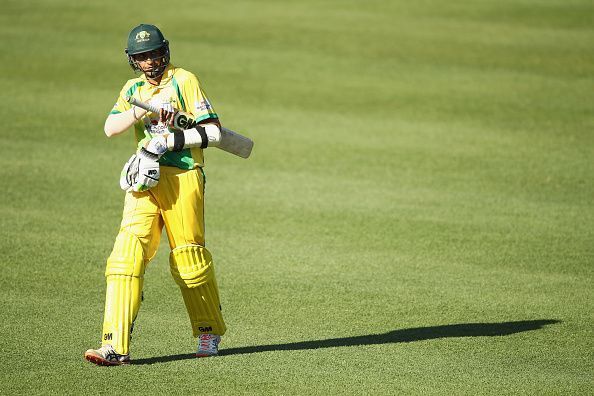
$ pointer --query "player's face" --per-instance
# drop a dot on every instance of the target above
(150, 62)
(147, 60)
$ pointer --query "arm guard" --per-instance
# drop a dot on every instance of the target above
(198, 136)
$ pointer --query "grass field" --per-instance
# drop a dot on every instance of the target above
(417, 216)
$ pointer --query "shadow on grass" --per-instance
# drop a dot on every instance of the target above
(395, 336)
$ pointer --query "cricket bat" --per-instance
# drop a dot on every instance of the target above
(226, 139)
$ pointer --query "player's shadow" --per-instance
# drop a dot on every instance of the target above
(395, 336)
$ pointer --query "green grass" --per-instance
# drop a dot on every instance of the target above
(416, 217)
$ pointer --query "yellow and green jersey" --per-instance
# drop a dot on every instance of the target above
(180, 88)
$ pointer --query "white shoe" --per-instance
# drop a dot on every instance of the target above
(208, 345)
(106, 356)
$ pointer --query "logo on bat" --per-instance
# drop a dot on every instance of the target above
(184, 122)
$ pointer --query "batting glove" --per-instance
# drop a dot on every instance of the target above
(141, 172)
(129, 174)
(148, 170)
(156, 146)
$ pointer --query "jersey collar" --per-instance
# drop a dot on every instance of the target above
(166, 78)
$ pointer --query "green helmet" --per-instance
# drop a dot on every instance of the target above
(146, 38)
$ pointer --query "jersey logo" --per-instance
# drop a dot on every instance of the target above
(154, 127)
(142, 36)
(202, 105)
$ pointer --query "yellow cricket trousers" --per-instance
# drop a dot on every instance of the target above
(176, 202)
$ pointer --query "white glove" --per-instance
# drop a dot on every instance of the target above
(141, 172)
(129, 174)
(148, 171)
(157, 146)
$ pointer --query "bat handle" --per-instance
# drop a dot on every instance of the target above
(142, 105)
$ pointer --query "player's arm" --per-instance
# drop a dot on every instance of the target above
(123, 115)
(208, 129)
(120, 122)
(207, 132)
(199, 135)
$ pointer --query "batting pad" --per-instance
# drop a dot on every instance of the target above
(124, 273)
(192, 269)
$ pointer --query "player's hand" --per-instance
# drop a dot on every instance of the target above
(166, 110)
(157, 146)
(148, 171)
(141, 172)
(167, 114)
(129, 174)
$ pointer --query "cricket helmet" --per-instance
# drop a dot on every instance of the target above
(146, 38)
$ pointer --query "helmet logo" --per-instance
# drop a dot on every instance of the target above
(143, 36)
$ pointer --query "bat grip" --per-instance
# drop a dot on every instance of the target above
(142, 105)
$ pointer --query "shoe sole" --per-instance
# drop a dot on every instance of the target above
(202, 355)
(99, 361)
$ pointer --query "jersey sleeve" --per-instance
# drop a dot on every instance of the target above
(196, 101)
(121, 103)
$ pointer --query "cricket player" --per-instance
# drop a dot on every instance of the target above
(164, 181)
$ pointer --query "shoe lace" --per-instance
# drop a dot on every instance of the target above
(208, 342)
(107, 349)
(109, 352)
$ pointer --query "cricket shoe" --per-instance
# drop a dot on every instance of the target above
(106, 356)
(208, 345)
